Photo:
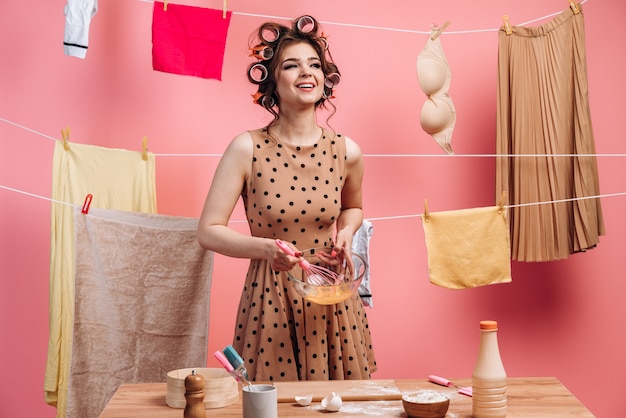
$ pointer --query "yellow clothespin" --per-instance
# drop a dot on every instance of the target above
(65, 133)
(435, 31)
(165, 5)
(502, 202)
(144, 146)
(574, 6)
(507, 24)
(426, 215)
(224, 9)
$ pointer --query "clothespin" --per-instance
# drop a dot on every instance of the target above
(502, 202)
(165, 5)
(426, 215)
(87, 204)
(144, 147)
(507, 24)
(574, 6)
(224, 8)
(435, 31)
(65, 133)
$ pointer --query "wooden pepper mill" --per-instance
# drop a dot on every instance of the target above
(194, 395)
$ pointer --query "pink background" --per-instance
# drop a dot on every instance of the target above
(562, 319)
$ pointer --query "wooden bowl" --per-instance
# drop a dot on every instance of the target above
(220, 388)
(425, 404)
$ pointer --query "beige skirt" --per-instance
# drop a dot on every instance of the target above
(543, 108)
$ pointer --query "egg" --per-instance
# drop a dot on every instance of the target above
(304, 400)
(332, 402)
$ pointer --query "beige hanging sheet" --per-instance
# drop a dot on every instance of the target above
(117, 179)
(142, 290)
(543, 108)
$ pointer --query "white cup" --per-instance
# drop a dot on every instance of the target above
(259, 401)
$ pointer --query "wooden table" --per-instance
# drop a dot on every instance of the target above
(527, 397)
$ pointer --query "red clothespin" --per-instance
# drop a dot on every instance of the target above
(87, 204)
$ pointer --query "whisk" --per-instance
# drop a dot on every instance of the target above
(316, 275)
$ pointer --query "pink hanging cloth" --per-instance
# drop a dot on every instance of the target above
(189, 40)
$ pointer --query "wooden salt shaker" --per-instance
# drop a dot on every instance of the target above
(194, 395)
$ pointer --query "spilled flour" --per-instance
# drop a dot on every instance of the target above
(369, 408)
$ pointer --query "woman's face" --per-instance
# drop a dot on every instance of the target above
(299, 76)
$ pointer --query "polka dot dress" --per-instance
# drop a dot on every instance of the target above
(294, 194)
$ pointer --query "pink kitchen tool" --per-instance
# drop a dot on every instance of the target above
(316, 275)
(239, 377)
(463, 390)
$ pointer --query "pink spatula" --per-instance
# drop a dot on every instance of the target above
(464, 390)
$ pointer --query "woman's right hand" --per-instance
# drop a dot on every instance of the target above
(279, 258)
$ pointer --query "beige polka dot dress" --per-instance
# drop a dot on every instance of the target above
(294, 194)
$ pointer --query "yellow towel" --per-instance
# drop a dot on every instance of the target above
(117, 179)
(468, 247)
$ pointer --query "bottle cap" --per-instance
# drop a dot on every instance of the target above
(489, 325)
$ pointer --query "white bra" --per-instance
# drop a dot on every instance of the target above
(438, 114)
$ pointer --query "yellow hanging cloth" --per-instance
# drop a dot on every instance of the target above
(468, 247)
(117, 179)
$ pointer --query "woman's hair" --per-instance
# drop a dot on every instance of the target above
(267, 44)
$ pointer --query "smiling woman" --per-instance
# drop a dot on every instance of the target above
(555, 312)
(303, 36)
(300, 183)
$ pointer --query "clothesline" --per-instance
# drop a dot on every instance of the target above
(433, 155)
(384, 218)
(375, 155)
(425, 32)
(218, 155)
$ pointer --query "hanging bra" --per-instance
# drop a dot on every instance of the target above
(438, 114)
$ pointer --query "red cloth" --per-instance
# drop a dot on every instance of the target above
(188, 40)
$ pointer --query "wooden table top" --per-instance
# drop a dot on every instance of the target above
(527, 397)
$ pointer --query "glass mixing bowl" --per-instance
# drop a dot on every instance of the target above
(351, 274)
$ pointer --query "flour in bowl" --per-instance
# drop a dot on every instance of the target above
(425, 396)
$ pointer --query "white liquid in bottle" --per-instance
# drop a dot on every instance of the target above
(489, 376)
